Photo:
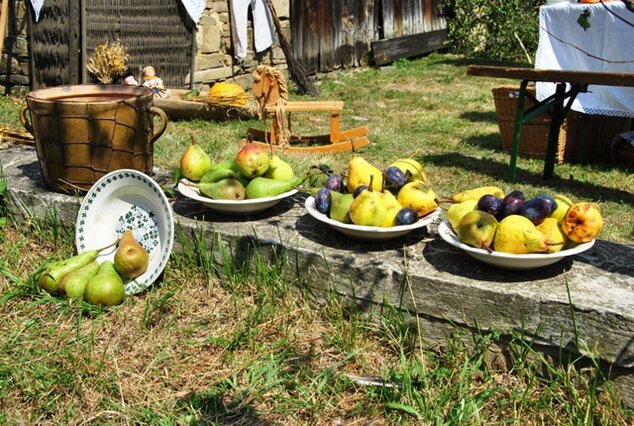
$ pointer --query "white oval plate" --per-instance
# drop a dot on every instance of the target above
(125, 199)
(509, 260)
(253, 205)
(374, 233)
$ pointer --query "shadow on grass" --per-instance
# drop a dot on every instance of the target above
(215, 409)
(480, 116)
(498, 170)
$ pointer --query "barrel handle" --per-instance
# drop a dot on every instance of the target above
(22, 115)
(162, 125)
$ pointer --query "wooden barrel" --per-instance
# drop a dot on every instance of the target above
(82, 132)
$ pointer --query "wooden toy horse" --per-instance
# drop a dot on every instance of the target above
(271, 94)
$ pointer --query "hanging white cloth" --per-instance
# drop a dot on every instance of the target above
(37, 7)
(194, 8)
(263, 34)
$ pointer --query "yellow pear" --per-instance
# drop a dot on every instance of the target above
(195, 162)
(368, 208)
(392, 208)
(360, 172)
(555, 237)
(563, 204)
(417, 196)
(412, 169)
(279, 169)
(518, 235)
(476, 193)
(477, 229)
(457, 210)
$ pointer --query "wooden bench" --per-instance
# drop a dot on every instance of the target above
(557, 105)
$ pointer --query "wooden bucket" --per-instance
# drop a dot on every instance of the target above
(82, 132)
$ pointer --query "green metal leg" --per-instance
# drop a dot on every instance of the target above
(519, 120)
(557, 119)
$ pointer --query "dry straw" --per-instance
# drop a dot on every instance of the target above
(108, 61)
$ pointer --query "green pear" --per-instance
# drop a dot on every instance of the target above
(216, 175)
(340, 207)
(279, 169)
(225, 189)
(194, 162)
(73, 283)
(52, 274)
(262, 187)
(516, 234)
(369, 208)
(106, 287)
(477, 229)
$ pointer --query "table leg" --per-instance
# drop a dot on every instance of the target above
(519, 120)
(557, 120)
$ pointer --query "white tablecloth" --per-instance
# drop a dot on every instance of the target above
(607, 46)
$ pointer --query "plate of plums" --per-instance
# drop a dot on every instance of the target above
(374, 233)
(511, 232)
(127, 207)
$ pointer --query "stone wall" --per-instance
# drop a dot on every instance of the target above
(14, 64)
(214, 48)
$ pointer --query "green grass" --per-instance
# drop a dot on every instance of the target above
(218, 341)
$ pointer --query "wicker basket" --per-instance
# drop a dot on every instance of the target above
(580, 136)
(83, 132)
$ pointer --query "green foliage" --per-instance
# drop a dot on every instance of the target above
(505, 30)
(3, 199)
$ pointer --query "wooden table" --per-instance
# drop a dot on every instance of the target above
(568, 85)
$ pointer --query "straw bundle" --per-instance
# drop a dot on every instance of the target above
(224, 93)
(108, 61)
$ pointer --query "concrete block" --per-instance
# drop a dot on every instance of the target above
(587, 299)
(208, 39)
(212, 75)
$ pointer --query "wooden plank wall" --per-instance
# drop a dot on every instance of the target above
(52, 38)
(331, 34)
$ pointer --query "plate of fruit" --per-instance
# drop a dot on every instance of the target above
(375, 204)
(512, 232)
(125, 222)
(253, 181)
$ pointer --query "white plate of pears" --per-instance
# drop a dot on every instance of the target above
(253, 181)
(370, 233)
(516, 242)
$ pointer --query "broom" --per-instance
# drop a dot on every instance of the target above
(296, 69)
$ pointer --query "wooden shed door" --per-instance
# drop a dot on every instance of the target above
(156, 32)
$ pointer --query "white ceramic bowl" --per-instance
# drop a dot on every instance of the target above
(229, 206)
(127, 199)
(371, 233)
(508, 260)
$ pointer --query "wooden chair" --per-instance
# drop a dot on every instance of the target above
(271, 94)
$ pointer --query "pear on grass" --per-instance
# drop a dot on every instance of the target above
(53, 272)
(106, 287)
(73, 283)
(194, 162)
(131, 259)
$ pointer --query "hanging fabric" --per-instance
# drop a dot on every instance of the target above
(194, 8)
(263, 34)
(37, 7)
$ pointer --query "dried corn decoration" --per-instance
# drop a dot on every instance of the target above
(224, 93)
(108, 61)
